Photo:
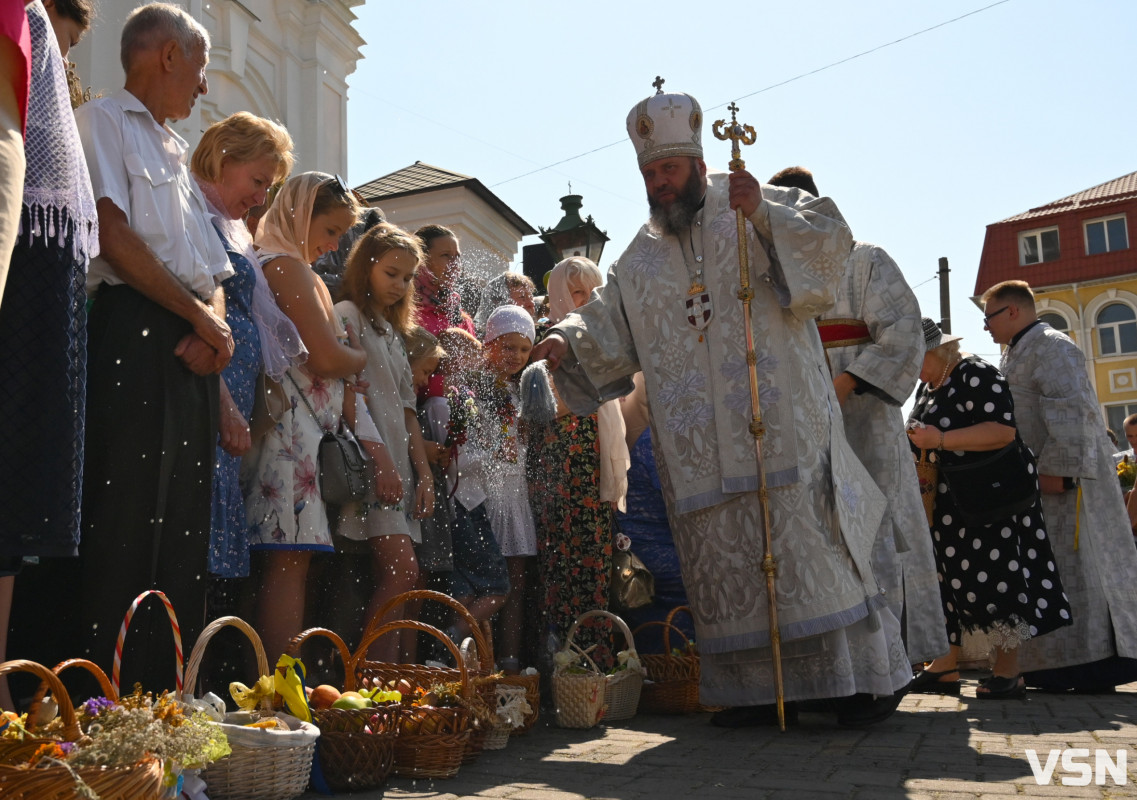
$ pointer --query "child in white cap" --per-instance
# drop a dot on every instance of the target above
(509, 335)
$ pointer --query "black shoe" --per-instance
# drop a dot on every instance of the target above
(862, 710)
(753, 716)
(928, 682)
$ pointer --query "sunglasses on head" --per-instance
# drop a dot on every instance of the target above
(339, 185)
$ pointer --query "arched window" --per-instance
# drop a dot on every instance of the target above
(1055, 321)
(1117, 329)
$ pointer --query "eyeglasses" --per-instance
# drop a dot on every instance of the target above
(988, 317)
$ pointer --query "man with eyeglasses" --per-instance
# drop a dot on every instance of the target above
(1060, 420)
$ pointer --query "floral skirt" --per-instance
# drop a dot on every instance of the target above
(574, 529)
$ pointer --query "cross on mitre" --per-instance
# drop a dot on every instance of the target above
(658, 84)
(672, 107)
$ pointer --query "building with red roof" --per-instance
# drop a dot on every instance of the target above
(1076, 254)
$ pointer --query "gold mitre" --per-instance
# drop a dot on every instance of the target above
(666, 125)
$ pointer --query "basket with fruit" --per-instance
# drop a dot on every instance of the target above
(478, 660)
(435, 720)
(357, 727)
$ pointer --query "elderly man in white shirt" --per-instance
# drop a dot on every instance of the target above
(158, 339)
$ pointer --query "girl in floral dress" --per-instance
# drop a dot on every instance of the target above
(287, 516)
(380, 303)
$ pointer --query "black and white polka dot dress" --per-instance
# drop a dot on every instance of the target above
(999, 578)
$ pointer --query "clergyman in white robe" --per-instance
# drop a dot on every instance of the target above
(1060, 420)
(873, 333)
(838, 635)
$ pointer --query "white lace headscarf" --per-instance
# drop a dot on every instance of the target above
(281, 346)
(57, 187)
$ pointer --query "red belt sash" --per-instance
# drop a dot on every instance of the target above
(843, 332)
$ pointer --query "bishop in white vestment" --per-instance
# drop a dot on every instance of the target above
(670, 308)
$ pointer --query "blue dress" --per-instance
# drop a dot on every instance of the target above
(229, 536)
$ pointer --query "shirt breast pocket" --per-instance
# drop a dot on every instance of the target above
(153, 196)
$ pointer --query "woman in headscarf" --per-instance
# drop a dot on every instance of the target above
(235, 164)
(580, 466)
(287, 515)
(999, 576)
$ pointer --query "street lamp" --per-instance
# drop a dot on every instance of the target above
(574, 236)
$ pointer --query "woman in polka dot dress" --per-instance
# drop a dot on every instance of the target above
(999, 578)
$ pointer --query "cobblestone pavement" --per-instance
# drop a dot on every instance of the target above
(942, 748)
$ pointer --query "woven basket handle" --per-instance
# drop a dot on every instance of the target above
(207, 635)
(596, 612)
(671, 621)
(179, 658)
(415, 625)
(667, 629)
(90, 666)
(71, 731)
(485, 652)
(345, 655)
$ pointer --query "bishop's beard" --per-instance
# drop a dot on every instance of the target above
(676, 218)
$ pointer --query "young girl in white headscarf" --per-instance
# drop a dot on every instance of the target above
(509, 335)
(287, 516)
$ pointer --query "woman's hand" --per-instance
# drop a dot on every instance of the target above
(388, 484)
(234, 428)
(925, 437)
(424, 498)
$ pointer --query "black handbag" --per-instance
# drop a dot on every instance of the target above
(345, 470)
(989, 489)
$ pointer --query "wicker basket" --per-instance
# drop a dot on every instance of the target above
(578, 696)
(140, 781)
(14, 751)
(356, 749)
(672, 685)
(431, 740)
(482, 678)
(263, 764)
(621, 689)
(532, 686)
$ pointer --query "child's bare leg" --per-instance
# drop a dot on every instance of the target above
(280, 611)
(395, 571)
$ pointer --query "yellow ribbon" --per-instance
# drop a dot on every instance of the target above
(248, 698)
(288, 682)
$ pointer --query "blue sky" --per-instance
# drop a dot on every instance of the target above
(921, 143)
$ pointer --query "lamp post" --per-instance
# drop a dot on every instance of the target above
(573, 236)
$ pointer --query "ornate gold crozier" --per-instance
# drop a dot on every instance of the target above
(740, 135)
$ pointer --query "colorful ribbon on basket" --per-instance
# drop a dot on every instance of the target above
(126, 624)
